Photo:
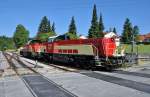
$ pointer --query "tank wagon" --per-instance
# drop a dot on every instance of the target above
(87, 53)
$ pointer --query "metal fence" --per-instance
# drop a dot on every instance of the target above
(137, 52)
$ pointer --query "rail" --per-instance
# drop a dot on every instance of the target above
(47, 84)
(15, 67)
(58, 66)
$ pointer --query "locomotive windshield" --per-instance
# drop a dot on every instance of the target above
(51, 39)
(57, 38)
(34, 41)
(62, 37)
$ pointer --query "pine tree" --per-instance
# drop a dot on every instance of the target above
(53, 27)
(49, 28)
(136, 33)
(44, 30)
(114, 30)
(21, 36)
(93, 31)
(100, 26)
(44, 26)
(72, 27)
(127, 31)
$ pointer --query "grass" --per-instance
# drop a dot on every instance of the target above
(141, 48)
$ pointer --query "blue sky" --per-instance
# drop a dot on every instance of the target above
(30, 12)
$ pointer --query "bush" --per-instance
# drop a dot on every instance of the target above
(72, 36)
(43, 36)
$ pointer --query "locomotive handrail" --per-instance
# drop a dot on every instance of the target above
(96, 50)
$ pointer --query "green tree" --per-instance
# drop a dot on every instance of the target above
(136, 33)
(21, 36)
(127, 31)
(53, 27)
(72, 27)
(72, 36)
(100, 27)
(43, 36)
(93, 31)
(6, 43)
(44, 26)
(45, 30)
(49, 28)
(114, 30)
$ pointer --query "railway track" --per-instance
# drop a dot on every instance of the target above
(39, 85)
(64, 68)
(58, 66)
(19, 67)
(38, 81)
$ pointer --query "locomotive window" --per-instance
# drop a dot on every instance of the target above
(50, 40)
(62, 37)
(59, 38)
(34, 41)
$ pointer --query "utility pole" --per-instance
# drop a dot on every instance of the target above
(132, 49)
(135, 57)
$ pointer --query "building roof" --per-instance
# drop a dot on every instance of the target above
(143, 37)
(110, 34)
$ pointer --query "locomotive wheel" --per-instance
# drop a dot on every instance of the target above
(87, 65)
(51, 59)
(109, 67)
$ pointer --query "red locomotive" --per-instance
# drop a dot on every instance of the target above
(82, 52)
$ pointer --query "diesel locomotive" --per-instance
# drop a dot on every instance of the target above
(87, 53)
